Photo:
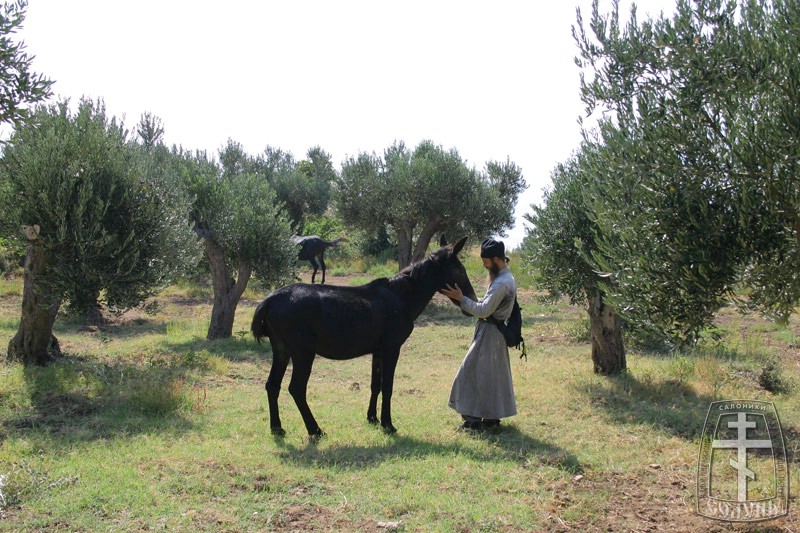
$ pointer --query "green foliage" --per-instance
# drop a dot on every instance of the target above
(325, 225)
(11, 254)
(329, 226)
(771, 378)
(150, 131)
(303, 186)
(165, 243)
(385, 270)
(579, 330)
(682, 367)
(425, 191)
(696, 191)
(523, 274)
(158, 398)
(19, 86)
(358, 280)
(359, 191)
(240, 212)
(666, 242)
(561, 239)
(111, 214)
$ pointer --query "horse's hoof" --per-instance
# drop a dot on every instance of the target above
(316, 435)
(373, 420)
(390, 429)
(278, 432)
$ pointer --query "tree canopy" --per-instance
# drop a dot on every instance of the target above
(106, 215)
(421, 192)
(110, 216)
(244, 228)
(20, 87)
(698, 192)
(304, 187)
(559, 247)
(561, 239)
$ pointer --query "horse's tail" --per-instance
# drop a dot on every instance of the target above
(259, 326)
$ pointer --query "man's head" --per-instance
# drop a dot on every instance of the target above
(493, 254)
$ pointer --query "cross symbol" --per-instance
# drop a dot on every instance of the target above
(741, 444)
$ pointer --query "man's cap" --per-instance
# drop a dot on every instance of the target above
(492, 248)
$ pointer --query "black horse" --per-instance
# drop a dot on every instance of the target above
(312, 249)
(341, 323)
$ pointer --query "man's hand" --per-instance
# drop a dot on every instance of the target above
(453, 292)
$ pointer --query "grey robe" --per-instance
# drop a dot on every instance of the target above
(482, 387)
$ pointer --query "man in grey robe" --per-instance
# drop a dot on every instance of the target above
(483, 392)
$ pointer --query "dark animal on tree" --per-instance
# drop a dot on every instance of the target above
(304, 320)
(312, 249)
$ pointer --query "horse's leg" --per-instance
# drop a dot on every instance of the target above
(301, 371)
(273, 386)
(375, 389)
(387, 385)
(322, 264)
(315, 267)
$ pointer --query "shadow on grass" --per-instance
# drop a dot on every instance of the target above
(135, 328)
(113, 328)
(239, 348)
(669, 405)
(77, 400)
(509, 443)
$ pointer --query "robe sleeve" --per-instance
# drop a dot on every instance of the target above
(487, 305)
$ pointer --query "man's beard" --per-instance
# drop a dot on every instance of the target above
(494, 270)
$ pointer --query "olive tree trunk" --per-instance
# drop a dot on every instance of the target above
(91, 309)
(227, 291)
(94, 313)
(404, 237)
(34, 342)
(425, 238)
(608, 349)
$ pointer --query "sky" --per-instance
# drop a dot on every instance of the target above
(494, 80)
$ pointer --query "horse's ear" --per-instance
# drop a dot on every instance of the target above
(459, 245)
(442, 240)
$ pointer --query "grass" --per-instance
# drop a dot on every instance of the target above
(10, 287)
(146, 425)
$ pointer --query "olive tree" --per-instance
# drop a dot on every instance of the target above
(19, 86)
(303, 187)
(559, 246)
(94, 218)
(244, 229)
(700, 192)
(429, 190)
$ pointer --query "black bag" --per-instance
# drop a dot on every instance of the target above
(512, 329)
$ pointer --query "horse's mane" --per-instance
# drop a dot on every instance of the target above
(404, 280)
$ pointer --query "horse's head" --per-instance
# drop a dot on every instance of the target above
(453, 272)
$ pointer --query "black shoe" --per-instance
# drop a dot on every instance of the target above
(471, 426)
(490, 423)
